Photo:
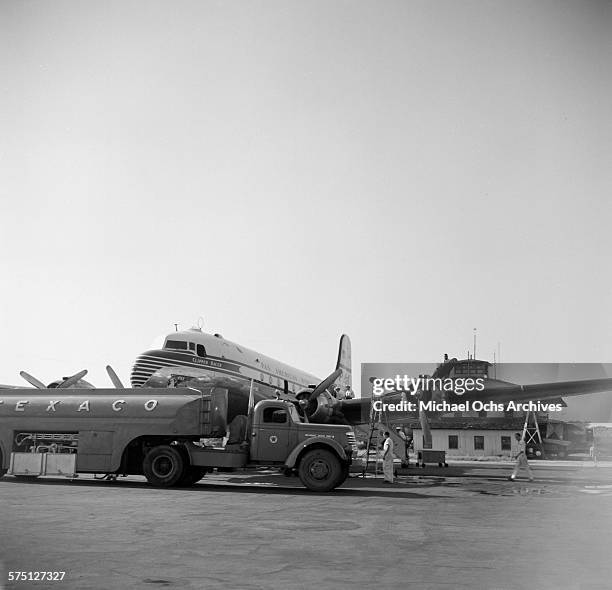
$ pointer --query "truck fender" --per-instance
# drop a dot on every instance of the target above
(319, 441)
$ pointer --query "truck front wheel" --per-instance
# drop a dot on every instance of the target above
(320, 470)
(192, 475)
(163, 466)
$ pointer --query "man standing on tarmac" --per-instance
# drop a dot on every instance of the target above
(521, 459)
(388, 458)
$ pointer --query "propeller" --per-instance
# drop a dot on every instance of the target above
(319, 389)
(66, 382)
(69, 381)
(114, 377)
(424, 395)
(32, 380)
(309, 402)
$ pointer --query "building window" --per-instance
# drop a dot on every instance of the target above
(479, 443)
(506, 443)
(453, 441)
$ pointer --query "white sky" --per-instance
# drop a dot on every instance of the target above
(400, 171)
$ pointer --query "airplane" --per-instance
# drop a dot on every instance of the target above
(198, 359)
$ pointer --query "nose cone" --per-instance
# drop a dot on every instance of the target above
(146, 364)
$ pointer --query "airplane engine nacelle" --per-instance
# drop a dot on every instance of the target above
(321, 410)
(324, 409)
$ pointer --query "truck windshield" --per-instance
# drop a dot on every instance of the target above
(295, 416)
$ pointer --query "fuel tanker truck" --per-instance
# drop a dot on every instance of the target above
(164, 434)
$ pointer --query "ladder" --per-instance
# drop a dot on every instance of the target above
(532, 434)
(373, 441)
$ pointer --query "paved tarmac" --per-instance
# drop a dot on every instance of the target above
(461, 527)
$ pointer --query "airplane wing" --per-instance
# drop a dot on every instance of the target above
(357, 411)
(503, 391)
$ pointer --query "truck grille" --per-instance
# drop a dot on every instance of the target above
(350, 435)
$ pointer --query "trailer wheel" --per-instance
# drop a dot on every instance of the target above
(320, 470)
(192, 475)
(163, 466)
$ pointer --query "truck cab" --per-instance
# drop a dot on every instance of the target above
(277, 429)
(276, 434)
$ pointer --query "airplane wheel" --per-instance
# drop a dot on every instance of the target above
(320, 470)
(192, 475)
(163, 466)
(423, 465)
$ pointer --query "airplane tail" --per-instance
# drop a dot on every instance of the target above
(345, 381)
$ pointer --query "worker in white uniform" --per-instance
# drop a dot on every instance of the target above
(388, 458)
(521, 459)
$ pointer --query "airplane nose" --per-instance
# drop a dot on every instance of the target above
(146, 364)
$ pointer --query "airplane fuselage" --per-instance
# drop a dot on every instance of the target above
(211, 360)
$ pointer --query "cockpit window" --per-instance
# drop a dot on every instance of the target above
(191, 346)
(471, 368)
(201, 350)
(176, 344)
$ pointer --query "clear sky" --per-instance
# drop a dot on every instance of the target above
(400, 171)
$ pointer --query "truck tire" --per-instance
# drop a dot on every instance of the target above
(344, 473)
(164, 466)
(320, 470)
(192, 475)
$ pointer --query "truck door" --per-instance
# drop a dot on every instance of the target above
(270, 439)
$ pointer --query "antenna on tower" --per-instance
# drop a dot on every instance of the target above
(474, 356)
